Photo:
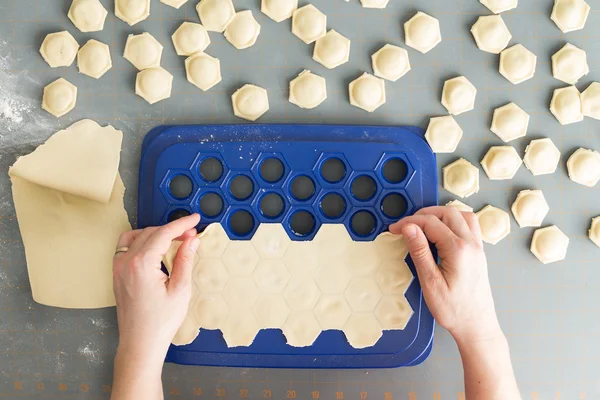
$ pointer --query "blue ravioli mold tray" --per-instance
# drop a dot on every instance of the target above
(301, 176)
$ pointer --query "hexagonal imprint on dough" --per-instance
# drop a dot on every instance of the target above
(332, 233)
(59, 49)
(362, 258)
(461, 178)
(510, 122)
(530, 208)
(541, 157)
(499, 6)
(87, 15)
(460, 206)
(271, 311)
(301, 329)
(569, 64)
(271, 241)
(143, 51)
(240, 258)
(495, 224)
(394, 277)
(271, 276)
(242, 32)
(362, 330)
(391, 247)
(132, 11)
(174, 3)
(332, 311)
(59, 97)
(363, 294)
(240, 293)
(390, 62)
(590, 101)
(443, 134)
(210, 310)
(332, 278)
(491, 34)
(302, 293)
(154, 84)
(308, 90)
(501, 162)
(332, 50)
(190, 38)
(367, 92)
(215, 15)
(458, 95)
(566, 105)
(240, 329)
(187, 332)
(308, 23)
(422, 32)
(93, 59)
(570, 15)
(214, 241)
(517, 64)
(549, 244)
(594, 233)
(210, 275)
(250, 102)
(203, 71)
(584, 167)
(301, 259)
(393, 312)
(279, 10)
(374, 3)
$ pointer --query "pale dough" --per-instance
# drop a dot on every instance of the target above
(374, 3)
(460, 206)
(132, 11)
(308, 23)
(517, 64)
(301, 329)
(332, 311)
(308, 90)
(584, 167)
(590, 101)
(394, 277)
(59, 97)
(541, 156)
(367, 92)
(154, 84)
(271, 311)
(422, 32)
(174, 3)
(242, 32)
(494, 223)
(332, 50)
(570, 15)
(461, 178)
(491, 34)
(594, 232)
(549, 244)
(240, 329)
(250, 102)
(363, 330)
(70, 241)
(363, 294)
(510, 122)
(566, 105)
(279, 10)
(302, 293)
(143, 51)
(501, 162)
(393, 312)
(190, 38)
(59, 49)
(271, 276)
(530, 208)
(390, 62)
(93, 59)
(458, 95)
(215, 15)
(443, 134)
(500, 6)
(569, 64)
(87, 15)
(203, 71)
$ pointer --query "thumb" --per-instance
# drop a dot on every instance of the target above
(181, 275)
(429, 274)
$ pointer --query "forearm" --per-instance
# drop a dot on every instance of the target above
(488, 370)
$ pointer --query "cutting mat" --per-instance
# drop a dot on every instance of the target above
(549, 313)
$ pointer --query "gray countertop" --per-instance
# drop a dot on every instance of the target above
(549, 312)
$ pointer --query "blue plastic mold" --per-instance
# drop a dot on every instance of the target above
(270, 158)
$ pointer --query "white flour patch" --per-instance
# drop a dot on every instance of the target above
(90, 354)
(100, 323)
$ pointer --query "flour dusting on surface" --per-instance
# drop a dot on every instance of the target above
(91, 355)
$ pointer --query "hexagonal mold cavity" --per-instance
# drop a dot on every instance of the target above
(443, 134)
(87, 15)
(271, 311)
(250, 102)
(458, 95)
(240, 258)
(461, 178)
(510, 122)
(308, 23)
(93, 59)
(210, 276)
(154, 84)
(271, 276)
(363, 294)
(332, 169)
(215, 15)
(491, 34)
(59, 97)
(59, 49)
(210, 169)
(499, 6)
(271, 206)
(394, 205)
(143, 51)
(301, 293)
(393, 312)
(566, 105)
(570, 15)
(362, 187)
(241, 222)
(203, 71)
(211, 204)
(210, 310)
(301, 187)
(174, 215)
(394, 277)
(300, 259)
(517, 64)
(302, 223)
(569, 64)
(363, 224)
(301, 329)
(180, 186)
(243, 30)
(390, 62)
(495, 224)
(190, 38)
(530, 208)
(332, 311)
(367, 92)
(332, 205)
(594, 232)
(549, 244)
(362, 330)
(422, 32)
(584, 167)
(460, 206)
(279, 10)
(270, 241)
(501, 162)
(240, 329)
(132, 11)
(332, 50)
(308, 90)
(541, 157)
(590, 101)
(394, 170)
(241, 187)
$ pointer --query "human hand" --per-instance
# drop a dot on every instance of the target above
(457, 291)
(151, 306)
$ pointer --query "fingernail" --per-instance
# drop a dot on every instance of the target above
(409, 232)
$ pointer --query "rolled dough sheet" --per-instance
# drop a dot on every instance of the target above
(68, 228)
